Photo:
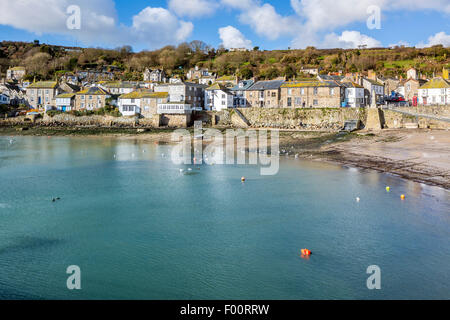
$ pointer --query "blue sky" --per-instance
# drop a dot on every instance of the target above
(274, 24)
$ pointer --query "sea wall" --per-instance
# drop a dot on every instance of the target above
(307, 119)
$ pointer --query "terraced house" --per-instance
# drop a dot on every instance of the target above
(91, 98)
(264, 94)
(183, 97)
(141, 103)
(41, 94)
(312, 94)
(435, 92)
(16, 73)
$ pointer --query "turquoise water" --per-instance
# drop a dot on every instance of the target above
(139, 229)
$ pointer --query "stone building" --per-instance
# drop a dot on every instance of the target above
(264, 94)
(183, 94)
(91, 98)
(312, 94)
(143, 103)
(156, 75)
(15, 73)
(411, 88)
(41, 94)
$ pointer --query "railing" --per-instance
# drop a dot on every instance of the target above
(417, 115)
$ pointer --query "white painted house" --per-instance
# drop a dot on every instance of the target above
(354, 95)
(435, 92)
(65, 101)
(218, 97)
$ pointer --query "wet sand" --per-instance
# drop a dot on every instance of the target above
(418, 155)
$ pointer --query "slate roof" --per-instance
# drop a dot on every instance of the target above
(94, 91)
(247, 84)
(266, 85)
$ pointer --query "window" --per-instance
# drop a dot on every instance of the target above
(223, 96)
(290, 92)
(82, 97)
(132, 100)
(298, 101)
(223, 103)
(90, 97)
(289, 102)
(302, 91)
(274, 94)
(331, 91)
(315, 102)
(316, 91)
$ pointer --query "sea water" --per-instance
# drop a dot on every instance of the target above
(138, 228)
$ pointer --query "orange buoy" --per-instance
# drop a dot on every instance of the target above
(243, 179)
(402, 197)
(305, 252)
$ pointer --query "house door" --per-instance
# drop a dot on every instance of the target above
(39, 100)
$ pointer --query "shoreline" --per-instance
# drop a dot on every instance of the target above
(418, 155)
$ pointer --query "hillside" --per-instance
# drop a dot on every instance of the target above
(46, 61)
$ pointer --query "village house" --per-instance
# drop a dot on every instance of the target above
(86, 76)
(409, 88)
(354, 95)
(155, 75)
(374, 89)
(41, 94)
(435, 92)
(184, 97)
(142, 103)
(264, 94)
(118, 87)
(16, 74)
(239, 100)
(311, 71)
(199, 73)
(390, 84)
(16, 94)
(65, 102)
(411, 74)
(91, 98)
(218, 97)
(311, 94)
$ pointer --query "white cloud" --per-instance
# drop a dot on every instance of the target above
(160, 25)
(349, 40)
(152, 27)
(233, 38)
(438, 38)
(329, 14)
(266, 22)
(193, 8)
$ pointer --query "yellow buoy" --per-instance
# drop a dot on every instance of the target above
(402, 197)
(388, 189)
(243, 179)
